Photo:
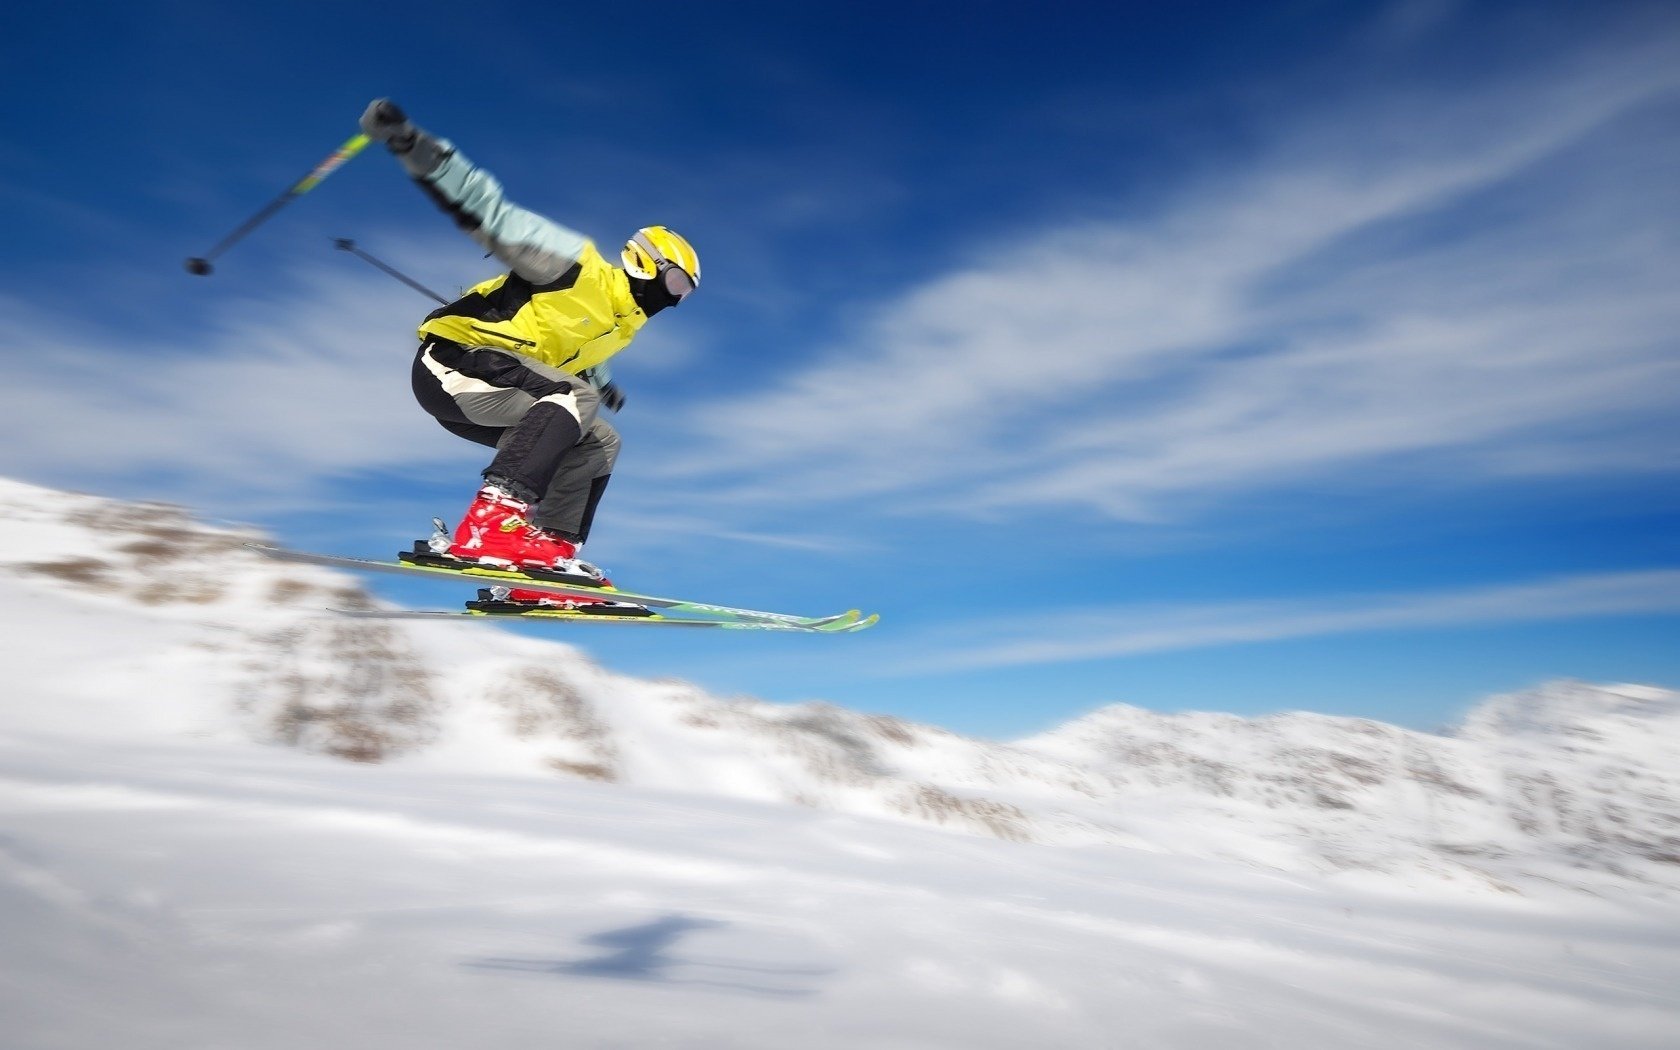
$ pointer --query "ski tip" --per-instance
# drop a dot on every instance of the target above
(854, 624)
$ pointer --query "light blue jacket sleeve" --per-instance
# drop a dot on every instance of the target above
(535, 248)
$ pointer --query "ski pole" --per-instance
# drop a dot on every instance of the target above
(200, 264)
(345, 244)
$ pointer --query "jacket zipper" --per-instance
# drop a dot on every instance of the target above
(504, 335)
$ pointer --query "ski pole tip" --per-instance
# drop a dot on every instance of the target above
(198, 267)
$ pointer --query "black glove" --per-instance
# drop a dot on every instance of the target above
(612, 397)
(384, 121)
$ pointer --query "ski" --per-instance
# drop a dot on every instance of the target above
(576, 586)
(846, 623)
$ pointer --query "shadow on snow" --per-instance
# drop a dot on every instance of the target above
(643, 953)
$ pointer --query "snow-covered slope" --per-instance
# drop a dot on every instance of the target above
(158, 896)
(1570, 784)
(226, 820)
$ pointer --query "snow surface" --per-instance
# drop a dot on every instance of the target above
(531, 850)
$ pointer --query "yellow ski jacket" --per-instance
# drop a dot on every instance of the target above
(561, 302)
(574, 322)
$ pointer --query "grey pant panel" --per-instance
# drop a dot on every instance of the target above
(506, 406)
(562, 506)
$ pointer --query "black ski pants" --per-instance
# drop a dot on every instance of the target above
(552, 447)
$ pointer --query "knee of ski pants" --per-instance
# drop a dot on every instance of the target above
(570, 394)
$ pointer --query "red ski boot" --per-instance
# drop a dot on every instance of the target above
(495, 531)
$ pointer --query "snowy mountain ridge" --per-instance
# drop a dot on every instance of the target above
(1572, 784)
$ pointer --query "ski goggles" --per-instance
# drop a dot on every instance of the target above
(673, 278)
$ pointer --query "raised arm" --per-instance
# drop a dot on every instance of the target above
(535, 248)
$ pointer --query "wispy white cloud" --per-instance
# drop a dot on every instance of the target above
(1097, 634)
(1338, 304)
(265, 398)
(1331, 305)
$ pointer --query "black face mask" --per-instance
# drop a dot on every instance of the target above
(651, 294)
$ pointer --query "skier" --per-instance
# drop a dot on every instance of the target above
(519, 363)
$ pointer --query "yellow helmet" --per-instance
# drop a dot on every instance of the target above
(654, 251)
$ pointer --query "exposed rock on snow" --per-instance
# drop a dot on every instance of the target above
(347, 688)
(1571, 783)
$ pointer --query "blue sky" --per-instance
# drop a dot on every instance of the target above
(1243, 357)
